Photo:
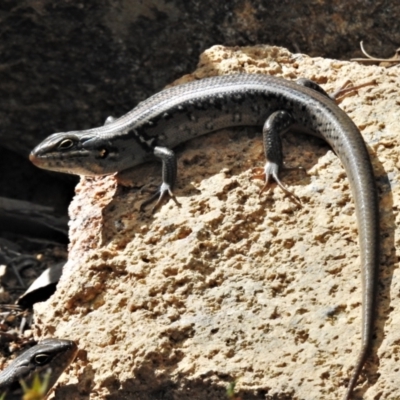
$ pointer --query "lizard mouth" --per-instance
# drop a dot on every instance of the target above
(41, 162)
(35, 160)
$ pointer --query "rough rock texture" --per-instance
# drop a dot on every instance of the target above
(234, 286)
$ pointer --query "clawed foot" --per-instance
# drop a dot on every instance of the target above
(169, 169)
(162, 193)
(271, 171)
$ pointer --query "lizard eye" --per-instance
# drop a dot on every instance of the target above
(66, 144)
(41, 359)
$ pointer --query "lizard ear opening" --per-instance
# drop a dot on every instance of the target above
(103, 153)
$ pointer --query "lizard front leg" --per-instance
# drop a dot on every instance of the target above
(169, 172)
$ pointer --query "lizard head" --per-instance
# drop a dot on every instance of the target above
(76, 153)
(50, 357)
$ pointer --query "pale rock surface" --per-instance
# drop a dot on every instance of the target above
(234, 286)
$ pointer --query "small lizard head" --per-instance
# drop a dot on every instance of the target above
(75, 153)
(49, 357)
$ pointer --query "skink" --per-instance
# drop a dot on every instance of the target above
(51, 356)
(183, 112)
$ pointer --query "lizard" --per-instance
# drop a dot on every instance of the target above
(183, 112)
(51, 356)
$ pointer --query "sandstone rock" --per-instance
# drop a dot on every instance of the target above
(234, 286)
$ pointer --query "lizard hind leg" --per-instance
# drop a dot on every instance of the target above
(312, 85)
(277, 123)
